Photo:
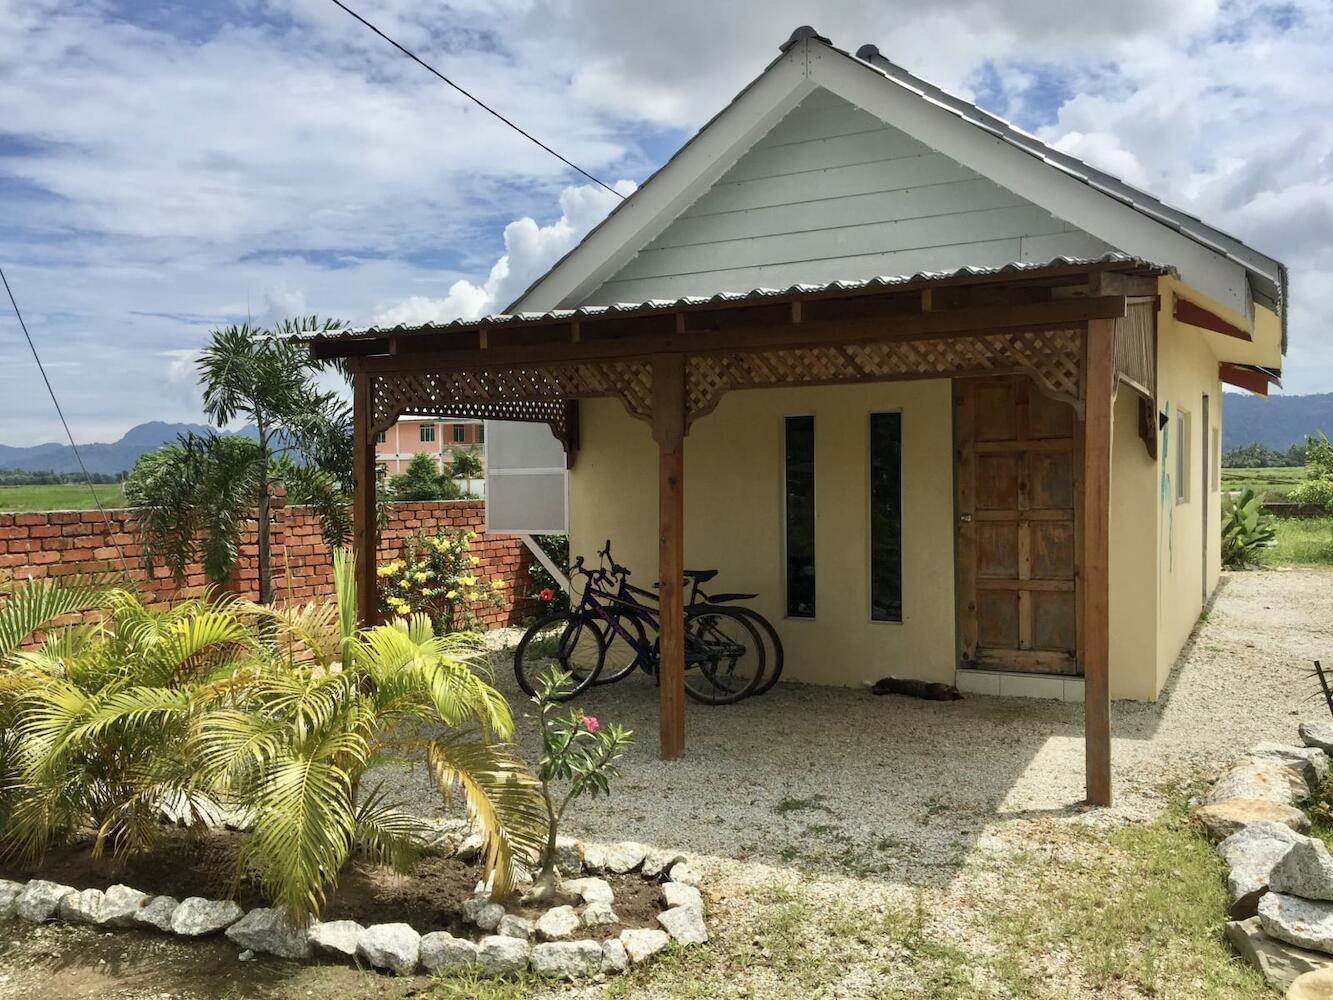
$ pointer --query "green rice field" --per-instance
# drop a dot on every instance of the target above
(60, 496)
(1272, 484)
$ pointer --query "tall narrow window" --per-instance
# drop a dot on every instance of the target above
(460, 434)
(886, 517)
(799, 487)
(427, 433)
(1182, 456)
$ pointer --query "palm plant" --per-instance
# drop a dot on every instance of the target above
(1246, 529)
(467, 466)
(199, 491)
(95, 717)
(298, 736)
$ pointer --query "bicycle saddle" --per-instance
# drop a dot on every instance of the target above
(702, 575)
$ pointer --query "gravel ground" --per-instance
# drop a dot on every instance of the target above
(904, 786)
(817, 811)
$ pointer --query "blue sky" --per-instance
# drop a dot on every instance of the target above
(166, 167)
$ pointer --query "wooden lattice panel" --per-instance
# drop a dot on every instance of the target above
(512, 392)
(1053, 357)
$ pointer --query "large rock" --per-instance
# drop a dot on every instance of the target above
(1250, 853)
(197, 916)
(1221, 819)
(396, 947)
(337, 938)
(270, 932)
(470, 848)
(1305, 870)
(557, 924)
(567, 959)
(502, 956)
(685, 924)
(680, 894)
(515, 926)
(481, 911)
(594, 858)
(624, 857)
(658, 862)
(568, 855)
(158, 912)
(642, 943)
(1317, 734)
(614, 956)
(441, 951)
(120, 905)
(1259, 779)
(40, 899)
(1316, 985)
(82, 907)
(683, 873)
(9, 894)
(598, 915)
(1310, 763)
(1279, 962)
(1303, 922)
(592, 890)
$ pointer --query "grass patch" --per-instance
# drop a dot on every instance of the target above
(1271, 484)
(815, 803)
(1301, 541)
(60, 496)
(1140, 907)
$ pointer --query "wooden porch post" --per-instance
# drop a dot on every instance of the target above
(1099, 376)
(363, 498)
(669, 432)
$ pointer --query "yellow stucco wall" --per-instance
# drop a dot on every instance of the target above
(1187, 371)
(733, 520)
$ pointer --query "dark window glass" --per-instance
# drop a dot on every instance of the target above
(800, 528)
(886, 517)
(427, 432)
(379, 438)
(481, 433)
(459, 433)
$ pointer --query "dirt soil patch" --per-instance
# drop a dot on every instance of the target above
(430, 898)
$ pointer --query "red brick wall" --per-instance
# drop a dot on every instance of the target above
(63, 543)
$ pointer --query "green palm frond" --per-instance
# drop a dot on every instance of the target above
(33, 605)
(230, 743)
(314, 626)
(304, 826)
(387, 835)
(503, 799)
(191, 645)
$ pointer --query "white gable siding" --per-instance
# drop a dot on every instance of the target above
(833, 192)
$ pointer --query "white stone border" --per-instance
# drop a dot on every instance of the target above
(399, 948)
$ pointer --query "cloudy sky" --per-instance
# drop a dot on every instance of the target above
(167, 166)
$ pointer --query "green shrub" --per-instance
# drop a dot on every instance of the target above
(1246, 529)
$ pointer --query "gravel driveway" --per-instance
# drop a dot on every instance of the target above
(898, 786)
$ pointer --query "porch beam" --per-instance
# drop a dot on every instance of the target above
(1094, 571)
(1056, 314)
(669, 433)
(1193, 314)
(1243, 378)
(363, 498)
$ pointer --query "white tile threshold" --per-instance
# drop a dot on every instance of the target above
(1001, 684)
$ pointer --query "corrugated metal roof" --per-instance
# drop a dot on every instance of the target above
(1268, 276)
(1121, 262)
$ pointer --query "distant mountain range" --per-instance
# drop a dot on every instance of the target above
(1277, 422)
(118, 456)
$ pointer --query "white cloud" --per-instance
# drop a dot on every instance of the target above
(530, 249)
(238, 157)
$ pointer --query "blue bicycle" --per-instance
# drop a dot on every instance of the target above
(724, 653)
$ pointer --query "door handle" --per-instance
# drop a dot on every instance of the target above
(965, 518)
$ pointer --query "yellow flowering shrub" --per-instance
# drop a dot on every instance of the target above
(436, 573)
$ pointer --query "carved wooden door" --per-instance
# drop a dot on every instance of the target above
(1017, 482)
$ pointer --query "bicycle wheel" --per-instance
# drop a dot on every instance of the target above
(773, 652)
(567, 640)
(624, 653)
(724, 655)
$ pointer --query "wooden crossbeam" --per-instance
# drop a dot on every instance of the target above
(1196, 315)
(1244, 378)
(1056, 314)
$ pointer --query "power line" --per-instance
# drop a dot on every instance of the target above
(111, 531)
(476, 100)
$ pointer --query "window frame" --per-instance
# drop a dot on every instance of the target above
(426, 434)
(1184, 428)
(459, 434)
(902, 528)
(382, 437)
(814, 507)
